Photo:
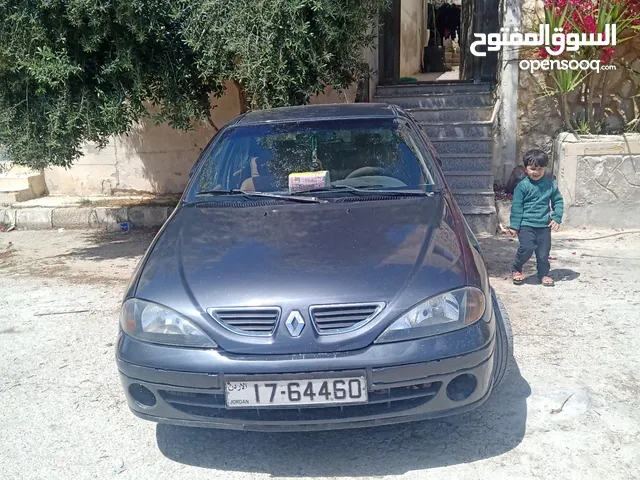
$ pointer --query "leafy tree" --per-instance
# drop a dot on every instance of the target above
(280, 52)
(73, 71)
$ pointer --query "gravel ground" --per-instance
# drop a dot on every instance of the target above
(63, 413)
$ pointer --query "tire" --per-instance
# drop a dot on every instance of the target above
(504, 339)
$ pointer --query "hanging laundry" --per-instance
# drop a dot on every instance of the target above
(443, 20)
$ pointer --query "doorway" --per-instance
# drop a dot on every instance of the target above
(427, 41)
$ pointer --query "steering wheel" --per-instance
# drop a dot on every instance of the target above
(367, 172)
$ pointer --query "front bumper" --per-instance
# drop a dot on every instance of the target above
(397, 393)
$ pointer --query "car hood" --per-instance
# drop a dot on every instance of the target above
(396, 252)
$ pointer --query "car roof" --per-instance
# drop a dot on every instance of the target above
(321, 112)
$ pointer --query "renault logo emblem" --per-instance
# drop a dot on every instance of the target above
(294, 323)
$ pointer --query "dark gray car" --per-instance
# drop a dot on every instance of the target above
(316, 274)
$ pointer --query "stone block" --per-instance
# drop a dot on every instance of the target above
(600, 145)
(71, 217)
(589, 190)
(7, 216)
(34, 218)
(603, 215)
(81, 180)
(601, 187)
(92, 155)
(148, 216)
(503, 208)
(108, 218)
(627, 89)
(158, 172)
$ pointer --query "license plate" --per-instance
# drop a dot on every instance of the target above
(319, 391)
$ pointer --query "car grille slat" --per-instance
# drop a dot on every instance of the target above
(248, 321)
(400, 394)
(250, 316)
(341, 318)
(343, 325)
(208, 400)
(329, 317)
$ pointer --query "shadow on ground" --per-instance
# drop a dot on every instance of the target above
(500, 250)
(493, 429)
(101, 245)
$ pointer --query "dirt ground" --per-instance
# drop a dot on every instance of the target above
(63, 413)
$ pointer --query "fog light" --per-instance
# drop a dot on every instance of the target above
(142, 395)
(461, 387)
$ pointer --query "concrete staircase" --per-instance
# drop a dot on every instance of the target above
(19, 184)
(457, 119)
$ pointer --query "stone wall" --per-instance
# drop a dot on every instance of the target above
(412, 20)
(599, 177)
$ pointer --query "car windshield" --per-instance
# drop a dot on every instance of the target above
(297, 158)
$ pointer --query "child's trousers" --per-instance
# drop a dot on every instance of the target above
(536, 240)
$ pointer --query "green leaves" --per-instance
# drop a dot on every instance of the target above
(82, 70)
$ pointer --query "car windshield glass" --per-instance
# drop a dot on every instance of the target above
(294, 158)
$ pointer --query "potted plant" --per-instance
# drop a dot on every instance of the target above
(590, 88)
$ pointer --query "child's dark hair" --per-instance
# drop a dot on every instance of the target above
(535, 158)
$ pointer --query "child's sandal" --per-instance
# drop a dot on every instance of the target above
(547, 281)
(518, 278)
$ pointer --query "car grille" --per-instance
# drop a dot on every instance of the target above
(342, 318)
(390, 400)
(248, 321)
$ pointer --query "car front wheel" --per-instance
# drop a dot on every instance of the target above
(504, 339)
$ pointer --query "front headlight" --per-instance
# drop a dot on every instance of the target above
(441, 314)
(154, 323)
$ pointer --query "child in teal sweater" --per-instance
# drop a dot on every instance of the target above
(532, 219)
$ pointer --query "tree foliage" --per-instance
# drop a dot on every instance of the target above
(73, 71)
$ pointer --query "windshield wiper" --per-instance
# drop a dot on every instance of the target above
(245, 193)
(368, 189)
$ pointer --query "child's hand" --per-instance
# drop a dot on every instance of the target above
(513, 233)
(555, 226)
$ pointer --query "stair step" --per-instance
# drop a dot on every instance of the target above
(7, 167)
(432, 88)
(468, 163)
(481, 219)
(11, 196)
(20, 181)
(453, 130)
(465, 180)
(475, 198)
(437, 101)
(20, 185)
(468, 146)
(450, 114)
